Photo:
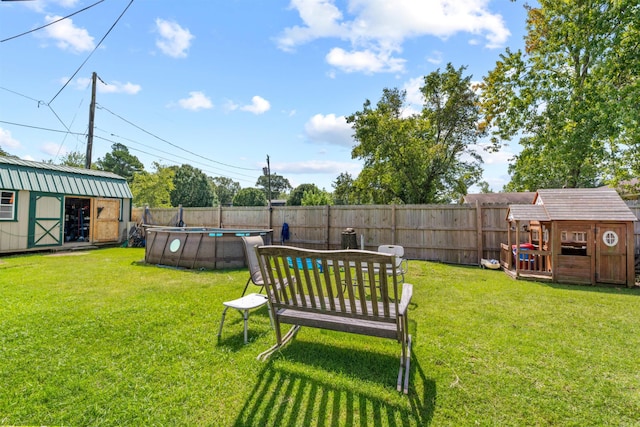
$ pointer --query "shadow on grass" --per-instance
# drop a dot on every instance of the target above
(302, 390)
(599, 288)
(233, 329)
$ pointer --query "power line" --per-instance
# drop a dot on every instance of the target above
(68, 131)
(42, 128)
(64, 138)
(92, 52)
(175, 156)
(168, 160)
(174, 145)
(50, 23)
(134, 149)
(39, 102)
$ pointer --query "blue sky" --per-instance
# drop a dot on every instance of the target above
(222, 84)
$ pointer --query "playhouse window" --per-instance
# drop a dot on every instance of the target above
(574, 242)
(535, 234)
(7, 205)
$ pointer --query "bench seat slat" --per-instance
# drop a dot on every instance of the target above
(373, 328)
(315, 306)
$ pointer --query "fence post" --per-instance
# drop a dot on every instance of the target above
(327, 236)
(393, 224)
(479, 230)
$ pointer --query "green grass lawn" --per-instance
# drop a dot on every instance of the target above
(98, 338)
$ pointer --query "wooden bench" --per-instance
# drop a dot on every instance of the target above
(314, 288)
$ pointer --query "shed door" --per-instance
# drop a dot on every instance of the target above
(45, 220)
(611, 254)
(105, 219)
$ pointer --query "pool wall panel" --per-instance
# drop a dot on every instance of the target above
(198, 248)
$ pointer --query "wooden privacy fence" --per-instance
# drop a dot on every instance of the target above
(457, 234)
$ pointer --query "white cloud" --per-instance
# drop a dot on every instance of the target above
(67, 36)
(414, 95)
(321, 18)
(67, 3)
(496, 168)
(174, 40)
(500, 158)
(8, 141)
(117, 87)
(229, 105)
(40, 5)
(330, 129)
(435, 58)
(376, 29)
(53, 149)
(196, 101)
(318, 166)
(258, 105)
(365, 61)
(111, 87)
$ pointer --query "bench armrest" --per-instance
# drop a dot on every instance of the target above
(407, 293)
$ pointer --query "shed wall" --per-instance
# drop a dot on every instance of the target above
(13, 234)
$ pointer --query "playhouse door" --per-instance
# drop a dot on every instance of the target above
(611, 254)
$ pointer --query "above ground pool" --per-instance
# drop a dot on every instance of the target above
(198, 247)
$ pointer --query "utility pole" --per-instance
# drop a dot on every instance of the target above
(92, 113)
(267, 172)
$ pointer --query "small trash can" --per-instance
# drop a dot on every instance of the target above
(349, 239)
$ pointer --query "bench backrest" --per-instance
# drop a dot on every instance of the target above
(342, 282)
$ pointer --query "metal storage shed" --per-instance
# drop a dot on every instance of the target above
(46, 206)
(580, 235)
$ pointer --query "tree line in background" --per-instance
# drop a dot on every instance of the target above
(569, 99)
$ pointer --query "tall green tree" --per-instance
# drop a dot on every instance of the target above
(280, 185)
(74, 159)
(421, 158)
(343, 189)
(120, 162)
(225, 188)
(316, 198)
(153, 189)
(250, 197)
(346, 191)
(192, 188)
(570, 96)
(295, 198)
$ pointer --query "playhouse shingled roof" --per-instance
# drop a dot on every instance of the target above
(574, 204)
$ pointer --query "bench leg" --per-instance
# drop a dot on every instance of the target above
(405, 357)
(222, 321)
(400, 373)
(405, 366)
(285, 339)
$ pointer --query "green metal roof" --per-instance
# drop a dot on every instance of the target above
(17, 174)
